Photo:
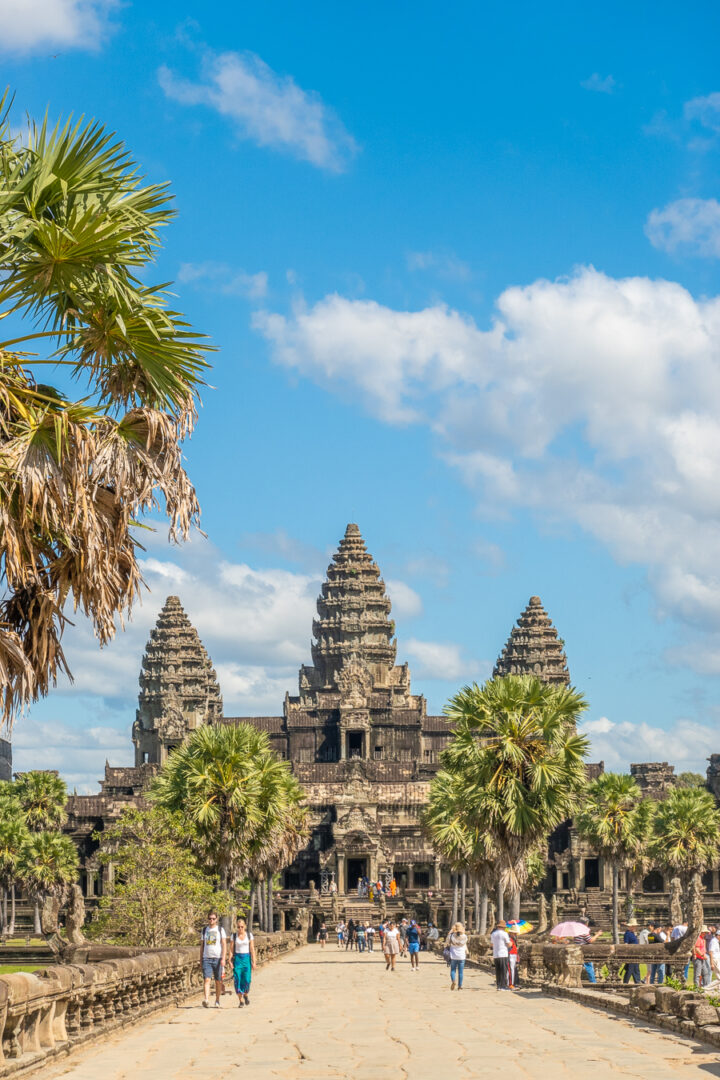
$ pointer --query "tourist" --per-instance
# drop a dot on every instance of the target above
(350, 935)
(243, 961)
(322, 935)
(333, 887)
(412, 939)
(381, 934)
(393, 887)
(714, 953)
(340, 934)
(699, 955)
(391, 945)
(513, 957)
(587, 939)
(360, 937)
(213, 948)
(632, 971)
(500, 949)
(403, 936)
(369, 936)
(657, 936)
(456, 943)
(432, 932)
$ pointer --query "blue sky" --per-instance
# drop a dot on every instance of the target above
(460, 263)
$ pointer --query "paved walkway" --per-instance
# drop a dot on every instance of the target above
(320, 1014)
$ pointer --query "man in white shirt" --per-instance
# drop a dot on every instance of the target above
(714, 954)
(501, 951)
(213, 947)
(678, 931)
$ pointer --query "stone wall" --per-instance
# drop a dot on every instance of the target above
(49, 1013)
(5, 760)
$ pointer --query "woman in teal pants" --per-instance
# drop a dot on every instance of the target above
(243, 952)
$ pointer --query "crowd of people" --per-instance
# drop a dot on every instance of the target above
(404, 938)
(373, 890)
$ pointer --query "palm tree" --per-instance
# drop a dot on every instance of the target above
(48, 863)
(43, 797)
(519, 763)
(77, 232)
(616, 821)
(238, 798)
(686, 837)
(13, 835)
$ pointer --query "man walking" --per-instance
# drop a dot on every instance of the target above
(213, 947)
(501, 950)
(632, 971)
(412, 936)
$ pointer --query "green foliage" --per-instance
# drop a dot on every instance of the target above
(513, 772)
(47, 863)
(691, 780)
(78, 231)
(43, 797)
(674, 983)
(240, 802)
(686, 833)
(161, 896)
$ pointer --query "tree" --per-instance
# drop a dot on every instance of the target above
(240, 802)
(160, 895)
(686, 836)
(691, 780)
(13, 836)
(519, 764)
(77, 232)
(616, 821)
(43, 798)
(47, 864)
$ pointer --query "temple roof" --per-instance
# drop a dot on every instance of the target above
(353, 627)
(534, 648)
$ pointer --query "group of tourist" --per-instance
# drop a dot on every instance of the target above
(705, 952)
(213, 957)
(373, 890)
(404, 938)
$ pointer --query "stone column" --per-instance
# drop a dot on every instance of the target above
(341, 872)
(716, 881)
(558, 878)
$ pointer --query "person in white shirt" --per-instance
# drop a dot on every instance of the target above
(456, 944)
(501, 951)
(243, 951)
(213, 946)
(714, 955)
(678, 931)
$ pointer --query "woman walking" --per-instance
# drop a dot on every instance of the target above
(456, 942)
(243, 962)
(322, 935)
(391, 945)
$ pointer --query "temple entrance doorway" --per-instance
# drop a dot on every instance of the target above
(356, 868)
(592, 874)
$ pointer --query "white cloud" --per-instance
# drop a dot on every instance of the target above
(267, 108)
(687, 744)
(705, 111)
(689, 226)
(444, 660)
(29, 25)
(598, 83)
(590, 398)
(78, 755)
(229, 281)
(444, 266)
(405, 601)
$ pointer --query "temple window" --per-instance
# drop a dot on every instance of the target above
(378, 752)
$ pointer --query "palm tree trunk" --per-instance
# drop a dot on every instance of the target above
(476, 898)
(12, 911)
(454, 915)
(4, 911)
(37, 929)
(262, 910)
(463, 894)
(615, 925)
(483, 912)
(251, 906)
(500, 902)
(270, 923)
(515, 905)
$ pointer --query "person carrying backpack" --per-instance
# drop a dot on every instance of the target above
(213, 947)
(412, 937)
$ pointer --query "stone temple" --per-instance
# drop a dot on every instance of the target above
(358, 739)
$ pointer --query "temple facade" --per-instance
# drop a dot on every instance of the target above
(358, 739)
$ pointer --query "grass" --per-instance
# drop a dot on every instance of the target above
(13, 969)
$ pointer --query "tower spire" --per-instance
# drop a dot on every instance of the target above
(534, 648)
(353, 623)
(179, 690)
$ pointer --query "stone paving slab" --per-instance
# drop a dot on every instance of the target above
(331, 1015)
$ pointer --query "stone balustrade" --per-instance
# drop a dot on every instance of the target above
(47, 1013)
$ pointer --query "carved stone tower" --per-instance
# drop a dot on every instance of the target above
(353, 624)
(534, 648)
(179, 690)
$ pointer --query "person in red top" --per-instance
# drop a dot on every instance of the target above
(700, 958)
(512, 958)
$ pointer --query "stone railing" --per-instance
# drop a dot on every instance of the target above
(609, 959)
(48, 1013)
